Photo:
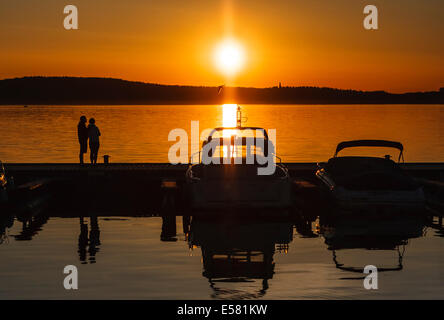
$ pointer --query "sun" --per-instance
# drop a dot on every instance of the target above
(229, 57)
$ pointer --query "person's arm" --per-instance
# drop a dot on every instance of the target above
(79, 133)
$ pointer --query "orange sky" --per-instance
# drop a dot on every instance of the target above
(314, 43)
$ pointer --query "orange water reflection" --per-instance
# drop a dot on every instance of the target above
(139, 133)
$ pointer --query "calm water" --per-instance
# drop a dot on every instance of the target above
(124, 258)
(129, 257)
(140, 133)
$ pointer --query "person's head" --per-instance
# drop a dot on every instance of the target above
(83, 119)
(92, 121)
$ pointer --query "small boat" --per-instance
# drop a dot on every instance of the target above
(357, 182)
(237, 169)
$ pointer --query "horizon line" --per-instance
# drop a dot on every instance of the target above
(215, 86)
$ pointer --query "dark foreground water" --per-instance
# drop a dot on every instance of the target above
(191, 258)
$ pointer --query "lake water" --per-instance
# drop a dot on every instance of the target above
(124, 258)
(150, 257)
(140, 133)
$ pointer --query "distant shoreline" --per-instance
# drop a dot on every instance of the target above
(110, 91)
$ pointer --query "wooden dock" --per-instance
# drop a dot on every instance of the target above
(139, 187)
(156, 171)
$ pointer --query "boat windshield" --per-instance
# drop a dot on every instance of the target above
(348, 166)
(247, 145)
(238, 151)
(244, 132)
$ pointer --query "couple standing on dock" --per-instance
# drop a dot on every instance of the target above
(92, 133)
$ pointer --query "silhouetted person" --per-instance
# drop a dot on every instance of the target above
(89, 246)
(94, 239)
(93, 134)
(83, 241)
(82, 133)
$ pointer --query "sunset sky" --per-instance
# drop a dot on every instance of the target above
(298, 43)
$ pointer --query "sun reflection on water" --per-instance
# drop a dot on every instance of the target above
(229, 120)
(229, 115)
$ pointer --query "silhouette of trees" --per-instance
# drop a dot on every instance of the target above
(76, 90)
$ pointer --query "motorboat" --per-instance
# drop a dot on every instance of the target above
(357, 182)
(237, 168)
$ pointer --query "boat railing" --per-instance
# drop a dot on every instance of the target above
(282, 166)
(399, 267)
(277, 157)
(198, 153)
(192, 156)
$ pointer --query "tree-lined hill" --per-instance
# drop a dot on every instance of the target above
(77, 91)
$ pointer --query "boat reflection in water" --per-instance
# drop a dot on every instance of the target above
(372, 237)
(6, 223)
(31, 225)
(237, 254)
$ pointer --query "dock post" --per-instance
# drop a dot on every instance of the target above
(169, 188)
(168, 228)
(169, 232)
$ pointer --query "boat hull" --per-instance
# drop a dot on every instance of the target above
(391, 201)
(240, 194)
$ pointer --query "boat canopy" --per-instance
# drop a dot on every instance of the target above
(370, 143)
